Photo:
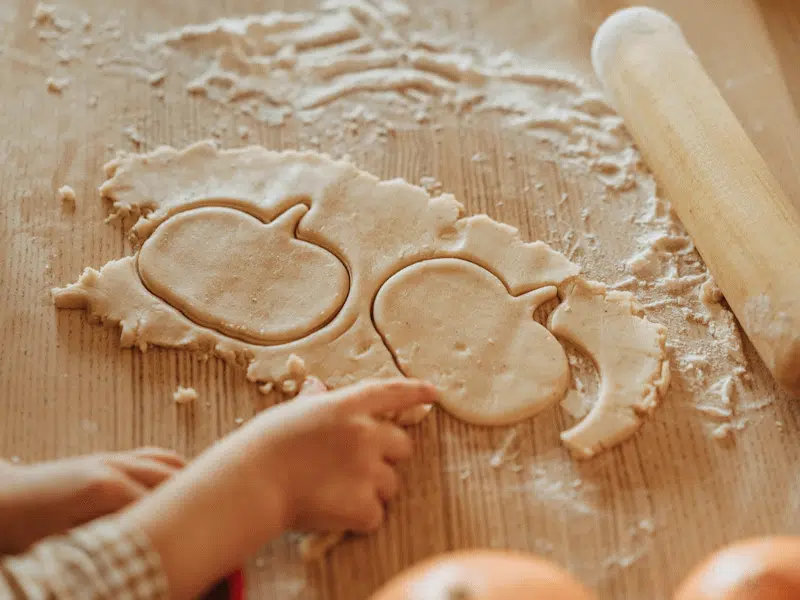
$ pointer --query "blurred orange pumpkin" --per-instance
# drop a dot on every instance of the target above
(484, 575)
(756, 569)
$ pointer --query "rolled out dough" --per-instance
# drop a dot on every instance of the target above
(265, 258)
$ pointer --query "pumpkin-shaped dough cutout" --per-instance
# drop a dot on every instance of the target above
(228, 271)
(453, 323)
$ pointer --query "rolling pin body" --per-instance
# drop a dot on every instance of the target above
(742, 223)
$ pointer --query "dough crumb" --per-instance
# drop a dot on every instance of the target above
(266, 388)
(56, 85)
(157, 78)
(295, 375)
(709, 292)
(648, 526)
(479, 157)
(184, 395)
(63, 56)
(134, 136)
(431, 185)
(238, 420)
(92, 101)
(723, 432)
(44, 13)
(66, 195)
(296, 367)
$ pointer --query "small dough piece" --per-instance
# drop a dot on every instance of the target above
(228, 271)
(630, 353)
(453, 323)
(56, 85)
(66, 196)
(184, 395)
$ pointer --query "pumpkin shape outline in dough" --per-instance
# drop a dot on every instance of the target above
(254, 281)
(444, 319)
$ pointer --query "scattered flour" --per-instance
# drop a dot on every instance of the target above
(184, 395)
(506, 454)
(317, 66)
(135, 137)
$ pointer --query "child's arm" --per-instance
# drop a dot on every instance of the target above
(101, 560)
(319, 462)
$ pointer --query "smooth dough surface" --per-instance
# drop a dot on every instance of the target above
(229, 271)
(453, 323)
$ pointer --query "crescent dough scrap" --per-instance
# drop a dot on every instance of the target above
(270, 259)
(630, 354)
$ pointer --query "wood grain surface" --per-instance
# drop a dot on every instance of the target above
(67, 388)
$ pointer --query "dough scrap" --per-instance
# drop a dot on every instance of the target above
(630, 353)
(66, 195)
(453, 323)
(375, 228)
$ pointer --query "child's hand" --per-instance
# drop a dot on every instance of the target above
(321, 461)
(49, 498)
(333, 455)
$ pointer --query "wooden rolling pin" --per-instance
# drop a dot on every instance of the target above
(741, 221)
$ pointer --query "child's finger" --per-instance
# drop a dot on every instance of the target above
(395, 442)
(387, 482)
(379, 397)
(311, 386)
(168, 457)
(113, 492)
(148, 473)
(367, 515)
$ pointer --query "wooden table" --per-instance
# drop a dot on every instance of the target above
(67, 388)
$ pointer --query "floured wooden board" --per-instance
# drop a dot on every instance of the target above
(715, 462)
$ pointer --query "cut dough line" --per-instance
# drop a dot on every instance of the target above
(217, 202)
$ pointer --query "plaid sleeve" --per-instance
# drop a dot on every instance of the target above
(97, 561)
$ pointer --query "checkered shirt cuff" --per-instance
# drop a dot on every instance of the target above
(97, 561)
